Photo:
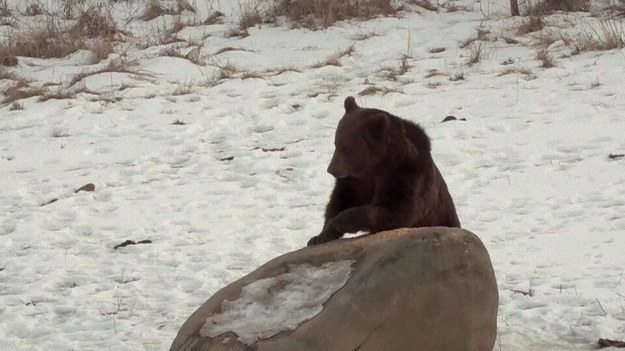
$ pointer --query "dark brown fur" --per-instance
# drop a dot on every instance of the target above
(385, 177)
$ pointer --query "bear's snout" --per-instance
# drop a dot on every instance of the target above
(335, 168)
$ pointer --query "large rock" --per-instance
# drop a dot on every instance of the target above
(430, 289)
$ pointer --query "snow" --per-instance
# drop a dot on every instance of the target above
(242, 179)
(271, 305)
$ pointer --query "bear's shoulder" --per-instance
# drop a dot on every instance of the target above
(412, 131)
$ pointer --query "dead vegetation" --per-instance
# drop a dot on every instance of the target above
(280, 70)
(22, 91)
(607, 35)
(93, 28)
(426, 4)
(249, 17)
(194, 55)
(433, 73)
(524, 71)
(363, 36)
(334, 59)
(156, 8)
(530, 24)
(374, 89)
(481, 34)
(477, 52)
(16, 106)
(60, 133)
(53, 36)
(545, 58)
(313, 13)
(600, 34)
(392, 73)
(549, 6)
(119, 65)
(183, 88)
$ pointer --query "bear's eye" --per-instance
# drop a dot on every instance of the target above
(345, 149)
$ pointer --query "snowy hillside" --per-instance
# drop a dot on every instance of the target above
(211, 141)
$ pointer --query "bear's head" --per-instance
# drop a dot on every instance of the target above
(360, 141)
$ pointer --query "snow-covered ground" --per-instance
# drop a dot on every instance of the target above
(240, 177)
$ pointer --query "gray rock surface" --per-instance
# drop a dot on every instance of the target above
(428, 289)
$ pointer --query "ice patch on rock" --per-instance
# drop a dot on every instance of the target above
(271, 305)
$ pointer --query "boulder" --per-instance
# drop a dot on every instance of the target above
(430, 289)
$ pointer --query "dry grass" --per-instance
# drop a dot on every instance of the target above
(19, 92)
(43, 42)
(215, 17)
(16, 106)
(280, 70)
(226, 70)
(247, 74)
(595, 84)
(609, 34)
(393, 72)
(154, 9)
(230, 48)
(451, 7)
(547, 6)
(58, 94)
(194, 55)
(162, 33)
(93, 30)
(477, 52)
(324, 13)
(183, 88)
(95, 22)
(510, 40)
(433, 85)
(480, 35)
(235, 32)
(363, 36)
(6, 74)
(5, 11)
(458, 76)
(426, 4)
(249, 17)
(334, 59)
(530, 24)
(34, 9)
(171, 52)
(373, 90)
(546, 60)
(120, 65)
(433, 73)
(60, 133)
(526, 72)
(8, 60)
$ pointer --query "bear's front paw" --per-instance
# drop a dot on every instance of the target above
(316, 240)
(327, 234)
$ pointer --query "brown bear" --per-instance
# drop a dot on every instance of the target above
(385, 177)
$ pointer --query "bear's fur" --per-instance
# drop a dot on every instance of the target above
(385, 177)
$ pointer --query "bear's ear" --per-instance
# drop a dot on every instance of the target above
(377, 126)
(350, 104)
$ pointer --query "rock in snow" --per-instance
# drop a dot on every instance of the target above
(406, 289)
